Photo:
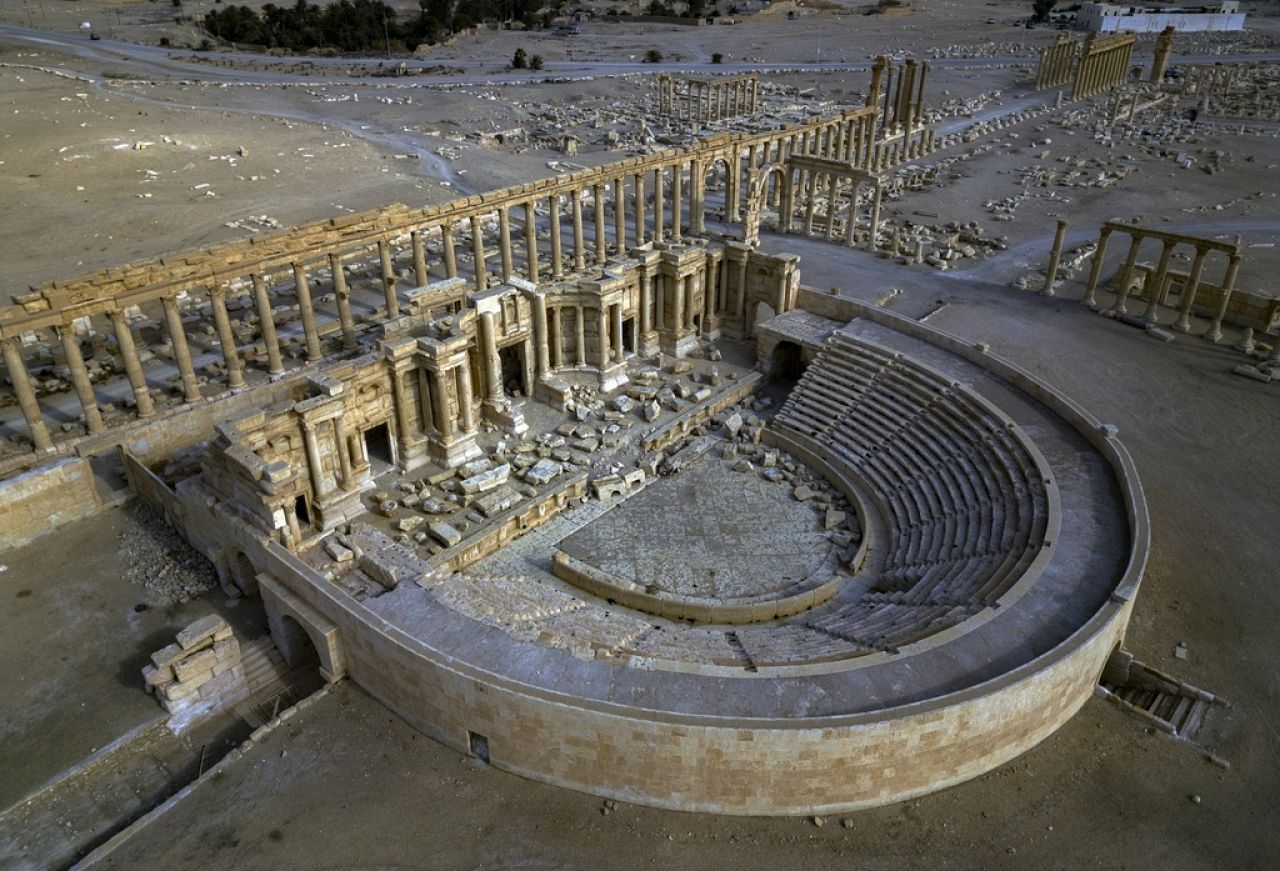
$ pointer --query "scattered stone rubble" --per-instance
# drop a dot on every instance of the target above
(158, 559)
(199, 674)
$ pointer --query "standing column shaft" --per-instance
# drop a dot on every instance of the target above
(80, 379)
(619, 217)
(342, 295)
(874, 233)
(450, 254)
(478, 255)
(440, 412)
(464, 397)
(697, 219)
(659, 205)
(579, 237)
(531, 239)
(493, 366)
(388, 280)
(1156, 282)
(226, 338)
(645, 324)
(181, 351)
(303, 291)
(1228, 285)
(580, 349)
(1126, 274)
(677, 313)
(1055, 256)
(557, 332)
(557, 252)
(638, 188)
(618, 351)
(597, 210)
(314, 470)
(266, 325)
(677, 200)
(1095, 268)
(27, 402)
(132, 366)
(540, 333)
(602, 337)
(420, 276)
(1189, 291)
(504, 243)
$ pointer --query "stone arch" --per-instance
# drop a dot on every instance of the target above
(786, 363)
(241, 570)
(757, 199)
(294, 625)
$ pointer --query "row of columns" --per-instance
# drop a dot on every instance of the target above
(708, 101)
(815, 182)
(1104, 63)
(1057, 63)
(1156, 289)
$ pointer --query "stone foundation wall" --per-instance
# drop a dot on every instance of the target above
(199, 674)
(38, 502)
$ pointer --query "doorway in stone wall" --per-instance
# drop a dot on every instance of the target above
(512, 371)
(377, 446)
(629, 335)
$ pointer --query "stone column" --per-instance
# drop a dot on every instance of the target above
(579, 243)
(464, 396)
(557, 345)
(181, 352)
(557, 251)
(697, 218)
(638, 188)
(314, 470)
(440, 411)
(1228, 285)
(493, 366)
(580, 350)
(27, 402)
(618, 350)
(1055, 256)
(420, 276)
(873, 232)
(540, 333)
(619, 217)
(602, 337)
(1095, 268)
(833, 189)
(388, 281)
(266, 324)
(478, 255)
(851, 214)
(344, 458)
(450, 255)
(645, 322)
(80, 379)
(597, 208)
(677, 319)
(811, 192)
(677, 201)
(1189, 291)
(531, 239)
(1156, 281)
(342, 295)
(659, 205)
(132, 367)
(303, 292)
(504, 243)
(1126, 274)
(226, 338)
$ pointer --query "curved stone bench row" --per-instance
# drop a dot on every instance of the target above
(966, 499)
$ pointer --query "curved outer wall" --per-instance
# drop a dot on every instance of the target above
(711, 764)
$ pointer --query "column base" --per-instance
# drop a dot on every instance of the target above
(648, 343)
(678, 343)
(339, 507)
(413, 455)
(613, 376)
(504, 415)
(455, 451)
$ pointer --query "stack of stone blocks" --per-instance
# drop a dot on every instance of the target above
(199, 674)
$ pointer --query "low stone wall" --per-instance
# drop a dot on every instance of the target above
(199, 674)
(39, 501)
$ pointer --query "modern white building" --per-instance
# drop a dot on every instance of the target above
(1116, 18)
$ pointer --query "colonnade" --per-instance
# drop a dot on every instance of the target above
(709, 100)
(1104, 63)
(1057, 63)
(223, 316)
(808, 179)
(1158, 283)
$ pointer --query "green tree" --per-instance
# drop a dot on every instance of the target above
(1040, 9)
(653, 56)
(519, 60)
(717, 57)
(535, 62)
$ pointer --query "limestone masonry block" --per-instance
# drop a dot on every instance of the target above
(201, 630)
(193, 666)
